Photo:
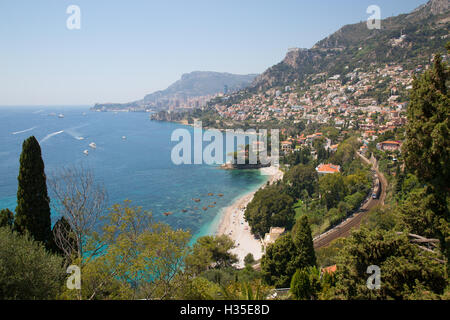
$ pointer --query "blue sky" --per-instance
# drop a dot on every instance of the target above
(126, 49)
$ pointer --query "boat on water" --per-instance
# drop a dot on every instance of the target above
(60, 115)
(93, 145)
(79, 138)
(86, 152)
(124, 138)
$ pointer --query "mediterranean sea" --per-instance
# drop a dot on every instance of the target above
(132, 159)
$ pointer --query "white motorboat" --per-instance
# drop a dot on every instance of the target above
(93, 145)
(86, 152)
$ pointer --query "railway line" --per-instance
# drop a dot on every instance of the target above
(343, 230)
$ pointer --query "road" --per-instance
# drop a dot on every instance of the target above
(343, 230)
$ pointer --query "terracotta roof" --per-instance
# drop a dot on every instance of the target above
(328, 168)
(391, 142)
(331, 269)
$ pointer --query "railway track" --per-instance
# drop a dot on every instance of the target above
(343, 230)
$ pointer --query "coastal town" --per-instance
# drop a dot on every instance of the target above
(370, 104)
(348, 104)
(323, 176)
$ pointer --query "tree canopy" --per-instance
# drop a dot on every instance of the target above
(6, 218)
(299, 178)
(405, 269)
(290, 252)
(427, 147)
(270, 208)
(211, 252)
(33, 203)
(427, 151)
(27, 270)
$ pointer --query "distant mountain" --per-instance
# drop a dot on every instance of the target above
(193, 89)
(408, 39)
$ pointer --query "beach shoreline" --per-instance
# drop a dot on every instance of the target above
(233, 223)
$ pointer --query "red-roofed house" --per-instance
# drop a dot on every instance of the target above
(334, 147)
(389, 145)
(331, 269)
(328, 168)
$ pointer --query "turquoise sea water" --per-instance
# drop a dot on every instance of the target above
(138, 168)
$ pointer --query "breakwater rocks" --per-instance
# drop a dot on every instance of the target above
(231, 166)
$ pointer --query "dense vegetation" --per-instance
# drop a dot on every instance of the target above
(325, 200)
(270, 207)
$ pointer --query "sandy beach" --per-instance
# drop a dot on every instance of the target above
(234, 225)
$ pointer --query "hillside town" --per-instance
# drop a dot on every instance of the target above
(347, 102)
(372, 102)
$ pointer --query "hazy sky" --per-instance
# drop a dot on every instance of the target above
(126, 49)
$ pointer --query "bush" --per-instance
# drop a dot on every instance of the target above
(6, 218)
(27, 270)
(200, 289)
(305, 284)
(300, 285)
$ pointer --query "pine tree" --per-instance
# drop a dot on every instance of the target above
(303, 241)
(427, 147)
(33, 203)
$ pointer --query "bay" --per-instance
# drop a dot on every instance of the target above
(138, 168)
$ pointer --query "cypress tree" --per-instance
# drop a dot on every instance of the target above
(303, 241)
(300, 285)
(33, 203)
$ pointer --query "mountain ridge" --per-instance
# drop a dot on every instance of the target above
(193, 88)
(408, 37)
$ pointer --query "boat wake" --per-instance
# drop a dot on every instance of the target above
(51, 135)
(73, 132)
(23, 131)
